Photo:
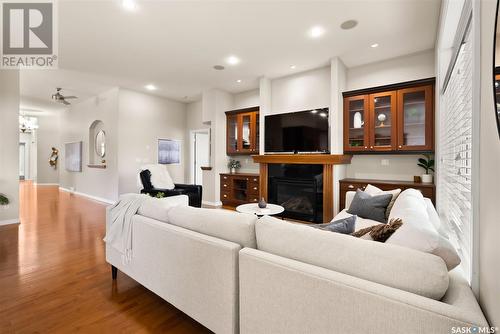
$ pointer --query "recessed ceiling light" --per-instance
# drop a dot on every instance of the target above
(238, 81)
(232, 60)
(314, 111)
(219, 67)
(293, 67)
(316, 31)
(349, 24)
(323, 114)
(129, 4)
(150, 87)
(374, 45)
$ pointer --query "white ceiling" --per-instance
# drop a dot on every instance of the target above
(175, 44)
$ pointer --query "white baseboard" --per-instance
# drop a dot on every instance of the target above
(46, 184)
(9, 222)
(218, 203)
(95, 198)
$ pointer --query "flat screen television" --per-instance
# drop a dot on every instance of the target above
(297, 132)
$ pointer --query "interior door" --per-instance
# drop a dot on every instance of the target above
(415, 118)
(201, 155)
(383, 125)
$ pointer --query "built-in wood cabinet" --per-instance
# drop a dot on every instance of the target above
(390, 119)
(427, 189)
(242, 131)
(239, 188)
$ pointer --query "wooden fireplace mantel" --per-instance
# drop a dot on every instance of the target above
(327, 160)
(316, 159)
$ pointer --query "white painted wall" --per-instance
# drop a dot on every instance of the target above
(9, 148)
(75, 123)
(405, 68)
(29, 139)
(143, 119)
(48, 136)
(489, 160)
(302, 91)
(246, 99)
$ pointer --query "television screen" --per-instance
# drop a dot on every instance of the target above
(303, 131)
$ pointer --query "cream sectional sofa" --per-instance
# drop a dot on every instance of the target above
(234, 273)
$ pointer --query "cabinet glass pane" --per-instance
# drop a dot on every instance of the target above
(414, 118)
(232, 134)
(382, 121)
(357, 123)
(245, 136)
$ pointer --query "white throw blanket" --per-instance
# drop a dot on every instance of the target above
(119, 235)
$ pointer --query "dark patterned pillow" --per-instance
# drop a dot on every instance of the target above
(344, 226)
(370, 207)
(380, 232)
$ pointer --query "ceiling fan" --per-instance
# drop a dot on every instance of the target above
(58, 97)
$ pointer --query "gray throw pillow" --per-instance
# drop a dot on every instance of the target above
(370, 207)
(344, 226)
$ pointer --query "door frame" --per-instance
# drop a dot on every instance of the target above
(192, 148)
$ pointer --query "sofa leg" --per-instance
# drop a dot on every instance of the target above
(114, 272)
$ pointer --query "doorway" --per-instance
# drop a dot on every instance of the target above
(200, 154)
(22, 161)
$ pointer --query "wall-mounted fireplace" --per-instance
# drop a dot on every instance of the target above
(299, 189)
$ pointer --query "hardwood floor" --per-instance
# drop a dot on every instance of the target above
(54, 277)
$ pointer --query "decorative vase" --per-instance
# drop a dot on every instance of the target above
(233, 170)
(426, 178)
(382, 118)
(262, 203)
(357, 121)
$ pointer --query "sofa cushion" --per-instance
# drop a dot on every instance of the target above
(157, 208)
(374, 191)
(368, 206)
(427, 241)
(346, 225)
(418, 232)
(223, 224)
(360, 222)
(394, 266)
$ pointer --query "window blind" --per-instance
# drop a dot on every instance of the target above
(455, 155)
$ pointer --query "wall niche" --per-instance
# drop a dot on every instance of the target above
(97, 145)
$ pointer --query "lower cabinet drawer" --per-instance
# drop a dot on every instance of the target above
(253, 198)
(225, 195)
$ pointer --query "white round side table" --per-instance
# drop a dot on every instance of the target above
(253, 208)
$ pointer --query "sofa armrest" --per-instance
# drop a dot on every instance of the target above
(193, 191)
(318, 300)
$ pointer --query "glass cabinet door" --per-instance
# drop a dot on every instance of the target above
(383, 121)
(232, 134)
(356, 128)
(415, 118)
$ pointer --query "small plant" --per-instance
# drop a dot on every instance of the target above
(427, 163)
(233, 164)
(4, 200)
(160, 195)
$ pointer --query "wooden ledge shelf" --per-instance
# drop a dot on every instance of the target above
(206, 168)
(97, 166)
(315, 159)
